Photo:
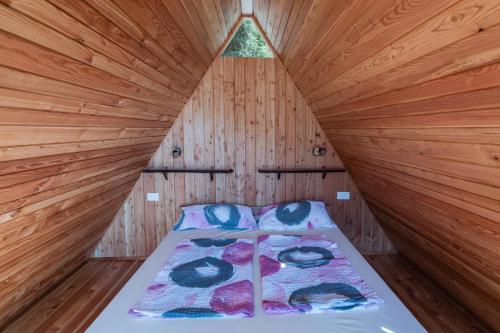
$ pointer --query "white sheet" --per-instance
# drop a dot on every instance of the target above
(390, 317)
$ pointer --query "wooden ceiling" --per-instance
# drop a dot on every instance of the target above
(88, 90)
(408, 93)
(406, 90)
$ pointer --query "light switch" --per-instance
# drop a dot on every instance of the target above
(343, 195)
(153, 196)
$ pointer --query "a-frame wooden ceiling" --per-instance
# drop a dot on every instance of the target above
(88, 89)
(408, 93)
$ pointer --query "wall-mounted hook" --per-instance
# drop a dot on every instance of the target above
(319, 151)
(176, 152)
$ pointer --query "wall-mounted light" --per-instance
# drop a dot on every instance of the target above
(319, 151)
(176, 152)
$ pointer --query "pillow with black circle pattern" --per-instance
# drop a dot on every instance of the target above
(216, 216)
(299, 215)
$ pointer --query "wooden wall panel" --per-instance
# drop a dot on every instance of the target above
(88, 90)
(252, 116)
(407, 92)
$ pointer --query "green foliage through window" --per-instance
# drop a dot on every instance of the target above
(248, 43)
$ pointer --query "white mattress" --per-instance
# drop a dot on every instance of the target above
(392, 316)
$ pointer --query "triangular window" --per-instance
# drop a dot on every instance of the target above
(248, 42)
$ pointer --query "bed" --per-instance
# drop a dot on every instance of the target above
(391, 316)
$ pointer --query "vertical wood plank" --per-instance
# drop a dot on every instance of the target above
(280, 129)
(149, 214)
(207, 110)
(229, 129)
(168, 189)
(160, 186)
(129, 221)
(270, 130)
(300, 152)
(178, 140)
(119, 249)
(319, 186)
(240, 128)
(329, 181)
(250, 114)
(138, 229)
(199, 142)
(219, 137)
(260, 130)
(290, 133)
(310, 141)
(189, 152)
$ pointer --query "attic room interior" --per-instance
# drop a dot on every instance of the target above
(250, 166)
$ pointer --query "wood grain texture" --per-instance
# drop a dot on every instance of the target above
(433, 307)
(88, 90)
(266, 124)
(406, 91)
(75, 303)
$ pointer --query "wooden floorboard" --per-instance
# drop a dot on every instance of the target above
(76, 302)
(434, 308)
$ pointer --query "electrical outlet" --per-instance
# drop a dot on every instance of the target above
(343, 195)
(153, 197)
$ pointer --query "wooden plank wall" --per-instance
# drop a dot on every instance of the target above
(408, 93)
(88, 90)
(245, 114)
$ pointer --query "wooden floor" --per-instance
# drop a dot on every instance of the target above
(74, 304)
(428, 303)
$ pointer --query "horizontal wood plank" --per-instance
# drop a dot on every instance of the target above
(88, 91)
(406, 91)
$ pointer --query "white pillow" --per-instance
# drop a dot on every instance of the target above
(216, 216)
(299, 215)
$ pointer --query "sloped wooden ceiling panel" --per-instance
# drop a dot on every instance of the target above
(408, 93)
(88, 89)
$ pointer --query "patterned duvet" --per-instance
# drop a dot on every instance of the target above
(309, 274)
(212, 277)
(206, 277)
